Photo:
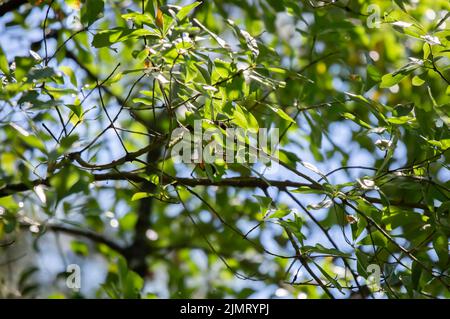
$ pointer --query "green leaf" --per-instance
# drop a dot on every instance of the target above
(417, 81)
(264, 202)
(107, 38)
(70, 73)
(23, 65)
(79, 248)
(373, 72)
(443, 144)
(3, 62)
(318, 248)
(440, 245)
(128, 222)
(222, 70)
(76, 109)
(67, 141)
(375, 238)
(281, 113)
(139, 18)
(223, 44)
(280, 213)
(29, 138)
(416, 272)
(91, 11)
(41, 74)
(328, 277)
(404, 109)
(186, 10)
(245, 119)
(308, 190)
(389, 80)
(70, 180)
(356, 120)
(131, 283)
(400, 120)
(144, 101)
(153, 178)
(141, 195)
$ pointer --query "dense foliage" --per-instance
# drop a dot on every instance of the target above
(358, 205)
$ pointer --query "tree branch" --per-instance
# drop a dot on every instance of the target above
(95, 237)
(241, 182)
(127, 158)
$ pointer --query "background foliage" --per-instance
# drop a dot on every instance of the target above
(91, 90)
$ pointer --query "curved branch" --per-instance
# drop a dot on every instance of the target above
(95, 237)
(130, 157)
